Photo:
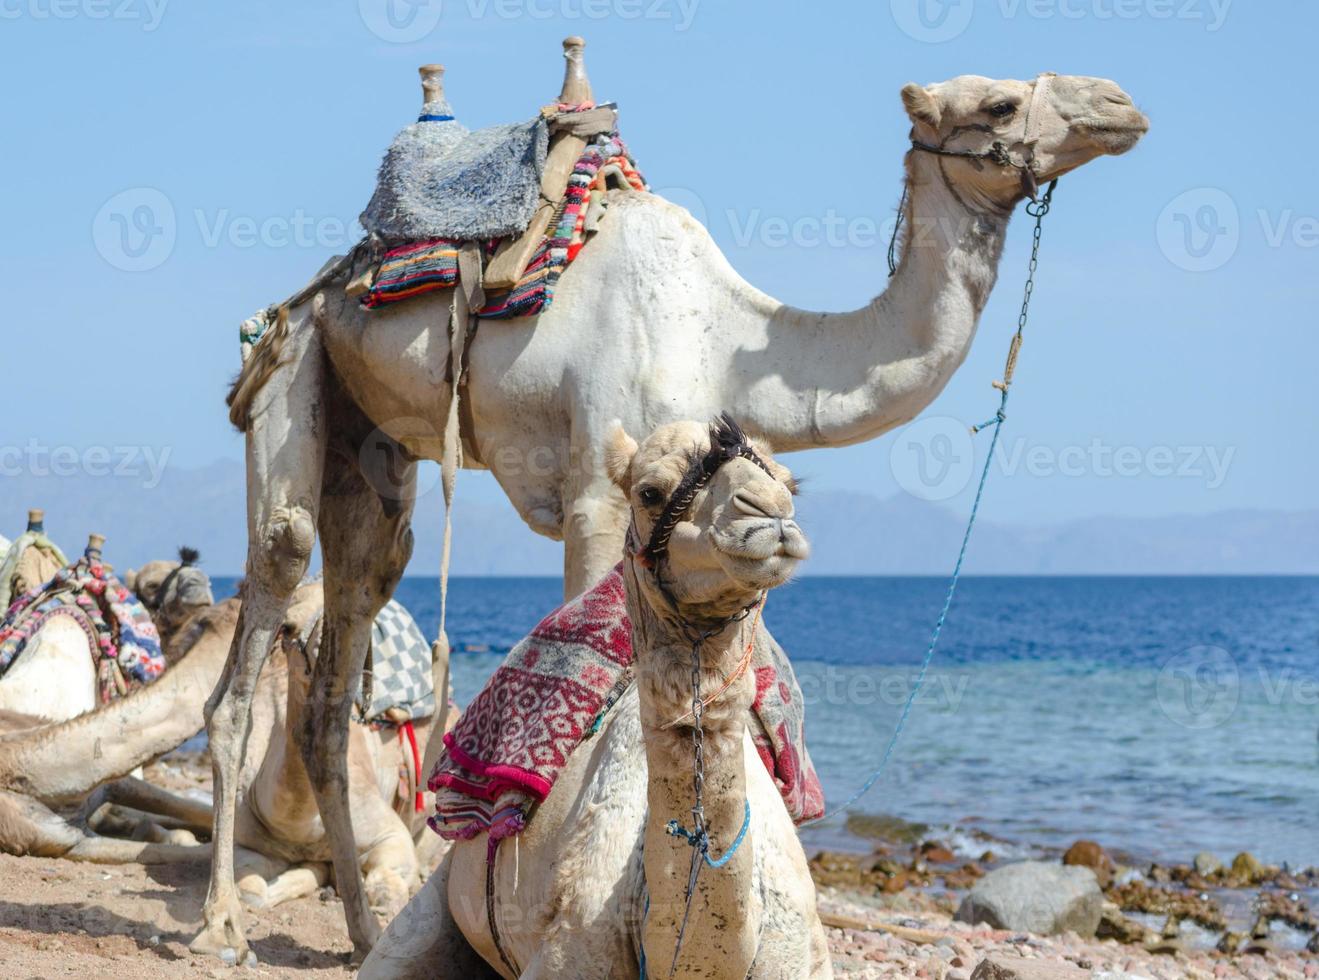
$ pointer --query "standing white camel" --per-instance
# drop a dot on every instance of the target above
(649, 325)
(596, 880)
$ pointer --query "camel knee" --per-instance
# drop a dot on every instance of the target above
(282, 550)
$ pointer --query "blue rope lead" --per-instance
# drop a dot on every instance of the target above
(996, 422)
(701, 840)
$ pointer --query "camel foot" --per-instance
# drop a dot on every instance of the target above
(387, 893)
(222, 935)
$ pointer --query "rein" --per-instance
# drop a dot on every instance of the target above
(1037, 209)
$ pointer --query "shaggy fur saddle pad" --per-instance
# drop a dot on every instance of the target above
(122, 638)
(441, 180)
(424, 266)
(551, 694)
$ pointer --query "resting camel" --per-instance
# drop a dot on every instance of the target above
(595, 879)
(650, 324)
(54, 677)
(46, 768)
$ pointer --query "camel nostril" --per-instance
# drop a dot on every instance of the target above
(744, 503)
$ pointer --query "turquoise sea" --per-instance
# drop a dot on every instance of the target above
(1160, 716)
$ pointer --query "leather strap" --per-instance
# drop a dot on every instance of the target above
(1035, 114)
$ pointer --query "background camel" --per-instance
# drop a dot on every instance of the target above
(47, 771)
(29, 561)
(595, 877)
(651, 324)
(54, 678)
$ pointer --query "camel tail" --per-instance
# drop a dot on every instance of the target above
(267, 357)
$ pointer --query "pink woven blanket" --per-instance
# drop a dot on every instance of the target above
(552, 691)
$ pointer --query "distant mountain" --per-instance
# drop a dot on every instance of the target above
(852, 534)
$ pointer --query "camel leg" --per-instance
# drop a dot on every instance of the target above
(266, 891)
(594, 527)
(366, 542)
(423, 941)
(141, 795)
(285, 460)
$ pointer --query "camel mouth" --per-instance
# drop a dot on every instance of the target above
(763, 553)
(1116, 138)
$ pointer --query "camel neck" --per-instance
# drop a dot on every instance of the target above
(724, 921)
(849, 377)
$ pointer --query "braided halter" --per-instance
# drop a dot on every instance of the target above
(727, 443)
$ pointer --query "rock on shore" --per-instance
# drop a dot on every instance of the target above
(1032, 896)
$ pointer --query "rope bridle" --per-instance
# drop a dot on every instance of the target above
(727, 443)
(998, 152)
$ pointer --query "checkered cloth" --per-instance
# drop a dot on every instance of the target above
(400, 667)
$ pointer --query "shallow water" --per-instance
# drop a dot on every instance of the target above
(1160, 716)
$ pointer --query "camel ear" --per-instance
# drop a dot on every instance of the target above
(130, 580)
(619, 450)
(921, 105)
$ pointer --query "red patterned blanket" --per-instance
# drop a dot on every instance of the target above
(552, 692)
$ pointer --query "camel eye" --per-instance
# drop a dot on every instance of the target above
(650, 496)
(1002, 110)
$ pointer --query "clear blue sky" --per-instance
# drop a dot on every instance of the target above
(261, 125)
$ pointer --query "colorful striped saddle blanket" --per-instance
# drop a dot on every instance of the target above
(551, 693)
(421, 267)
(121, 637)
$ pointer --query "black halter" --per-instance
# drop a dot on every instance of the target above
(727, 442)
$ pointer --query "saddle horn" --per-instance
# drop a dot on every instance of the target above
(432, 83)
(95, 544)
(576, 86)
(36, 517)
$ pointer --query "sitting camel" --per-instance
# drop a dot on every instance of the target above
(55, 676)
(596, 885)
(46, 770)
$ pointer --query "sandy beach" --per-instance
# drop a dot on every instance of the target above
(60, 919)
(889, 914)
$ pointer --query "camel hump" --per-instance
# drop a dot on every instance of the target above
(576, 86)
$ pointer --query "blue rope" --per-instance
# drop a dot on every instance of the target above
(996, 422)
(700, 839)
(435, 119)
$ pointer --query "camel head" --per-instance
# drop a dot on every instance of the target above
(173, 591)
(737, 537)
(1053, 125)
